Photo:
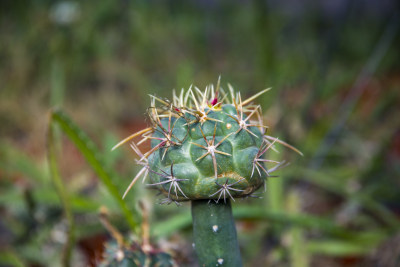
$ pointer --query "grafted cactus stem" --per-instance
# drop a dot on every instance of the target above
(214, 232)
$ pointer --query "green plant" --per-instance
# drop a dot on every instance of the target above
(208, 150)
(120, 252)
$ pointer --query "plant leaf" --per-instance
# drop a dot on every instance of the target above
(92, 156)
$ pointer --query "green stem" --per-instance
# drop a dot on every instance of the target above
(214, 231)
(64, 196)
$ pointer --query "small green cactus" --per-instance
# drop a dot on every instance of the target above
(119, 252)
(134, 256)
(206, 146)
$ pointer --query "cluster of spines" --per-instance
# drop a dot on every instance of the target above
(197, 105)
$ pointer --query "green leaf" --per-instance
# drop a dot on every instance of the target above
(176, 222)
(328, 181)
(93, 157)
(14, 160)
(301, 220)
(10, 258)
(338, 248)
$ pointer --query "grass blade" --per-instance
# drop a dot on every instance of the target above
(325, 225)
(338, 248)
(10, 258)
(92, 156)
(299, 256)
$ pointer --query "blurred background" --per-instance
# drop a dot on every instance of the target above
(334, 69)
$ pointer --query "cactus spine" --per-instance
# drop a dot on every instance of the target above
(206, 147)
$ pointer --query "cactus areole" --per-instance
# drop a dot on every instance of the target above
(206, 146)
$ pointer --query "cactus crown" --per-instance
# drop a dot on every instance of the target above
(205, 145)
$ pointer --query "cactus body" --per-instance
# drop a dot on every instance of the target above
(134, 256)
(212, 154)
(205, 147)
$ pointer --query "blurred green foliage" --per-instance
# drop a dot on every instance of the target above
(335, 73)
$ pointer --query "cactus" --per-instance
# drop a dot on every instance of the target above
(206, 147)
(119, 252)
(133, 255)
